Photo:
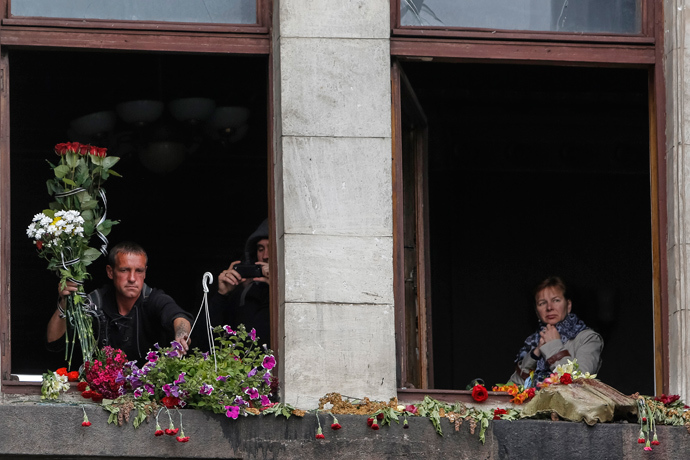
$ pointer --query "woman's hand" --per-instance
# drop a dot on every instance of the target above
(548, 334)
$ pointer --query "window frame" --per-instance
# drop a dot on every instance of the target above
(129, 36)
(516, 47)
(647, 34)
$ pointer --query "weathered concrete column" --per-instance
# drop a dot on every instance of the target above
(678, 179)
(334, 198)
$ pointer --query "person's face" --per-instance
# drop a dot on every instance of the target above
(552, 306)
(262, 250)
(128, 274)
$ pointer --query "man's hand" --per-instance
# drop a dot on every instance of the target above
(182, 328)
(264, 271)
(229, 279)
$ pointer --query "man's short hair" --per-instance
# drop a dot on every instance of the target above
(125, 247)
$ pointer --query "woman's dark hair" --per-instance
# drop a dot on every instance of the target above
(552, 282)
(125, 247)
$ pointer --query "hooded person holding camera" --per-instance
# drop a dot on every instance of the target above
(243, 290)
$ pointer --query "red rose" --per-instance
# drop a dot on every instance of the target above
(479, 393)
(73, 147)
(73, 376)
(61, 149)
(566, 379)
(102, 152)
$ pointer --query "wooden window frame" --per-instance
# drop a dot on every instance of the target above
(27, 33)
(515, 47)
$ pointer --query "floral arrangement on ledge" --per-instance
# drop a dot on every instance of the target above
(63, 232)
(239, 382)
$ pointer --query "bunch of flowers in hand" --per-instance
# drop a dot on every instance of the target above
(62, 233)
(235, 381)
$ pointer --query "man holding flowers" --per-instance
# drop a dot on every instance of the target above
(129, 315)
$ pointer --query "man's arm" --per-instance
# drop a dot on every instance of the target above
(182, 328)
(56, 326)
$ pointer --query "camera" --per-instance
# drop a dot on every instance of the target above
(249, 270)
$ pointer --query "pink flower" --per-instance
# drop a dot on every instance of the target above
(265, 401)
(252, 392)
(252, 334)
(269, 362)
(411, 408)
(232, 412)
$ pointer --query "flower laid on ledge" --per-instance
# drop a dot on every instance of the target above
(335, 425)
(517, 392)
(85, 422)
(53, 384)
(479, 393)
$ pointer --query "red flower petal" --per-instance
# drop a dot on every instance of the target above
(86, 423)
(335, 426)
(320, 436)
(159, 433)
(370, 421)
(182, 439)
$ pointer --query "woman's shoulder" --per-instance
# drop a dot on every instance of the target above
(588, 335)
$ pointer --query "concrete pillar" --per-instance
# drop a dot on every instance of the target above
(677, 78)
(332, 140)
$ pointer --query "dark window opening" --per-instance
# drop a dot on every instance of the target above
(536, 171)
(191, 219)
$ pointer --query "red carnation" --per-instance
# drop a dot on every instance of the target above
(479, 393)
(498, 413)
(566, 379)
(374, 425)
(335, 426)
(170, 401)
(159, 433)
(86, 423)
(370, 421)
(531, 392)
(380, 416)
(655, 443)
(320, 436)
(61, 371)
(640, 440)
(171, 431)
(81, 386)
(96, 397)
(73, 376)
(182, 438)
(87, 394)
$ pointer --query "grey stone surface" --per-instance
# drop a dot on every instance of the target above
(338, 269)
(348, 349)
(335, 87)
(338, 186)
(340, 19)
(55, 431)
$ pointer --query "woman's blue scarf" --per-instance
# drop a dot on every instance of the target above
(568, 329)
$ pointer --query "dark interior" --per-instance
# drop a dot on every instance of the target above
(191, 220)
(537, 171)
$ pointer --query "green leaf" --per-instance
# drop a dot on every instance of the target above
(96, 160)
(69, 182)
(113, 173)
(90, 255)
(61, 171)
(109, 162)
(71, 159)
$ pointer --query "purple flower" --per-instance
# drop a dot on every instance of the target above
(267, 378)
(182, 403)
(121, 391)
(152, 356)
(130, 364)
(150, 388)
(205, 355)
(166, 389)
(120, 378)
(221, 378)
(252, 334)
(180, 379)
(205, 389)
(252, 373)
(232, 411)
(229, 330)
(269, 362)
(176, 345)
(134, 381)
(138, 392)
(265, 401)
(156, 346)
(240, 400)
(252, 392)
(175, 391)
(172, 354)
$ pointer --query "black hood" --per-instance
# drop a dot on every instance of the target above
(250, 247)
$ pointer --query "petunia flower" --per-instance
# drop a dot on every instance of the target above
(229, 331)
(152, 356)
(252, 373)
(232, 412)
(221, 378)
(269, 362)
(205, 389)
(252, 392)
(267, 378)
(264, 400)
(138, 392)
(252, 334)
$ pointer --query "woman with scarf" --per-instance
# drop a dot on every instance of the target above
(561, 336)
